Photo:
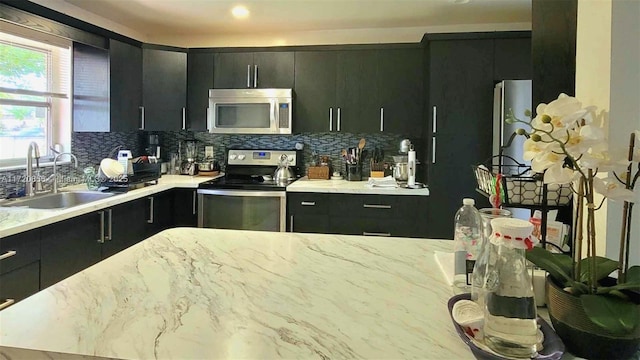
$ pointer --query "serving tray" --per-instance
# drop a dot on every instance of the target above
(553, 346)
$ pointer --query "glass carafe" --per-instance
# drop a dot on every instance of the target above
(510, 326)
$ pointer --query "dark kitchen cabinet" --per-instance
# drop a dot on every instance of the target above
(19, 267)
(308, 212)
(356, 91)
(90, 89)
(512, 59)
(126, 225)
(315, 81)
(164, 89)
(269, 69)
(199, 80)
(159, 213)
(125, 87)
(185, 207)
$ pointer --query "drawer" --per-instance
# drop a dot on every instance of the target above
(19, 250)
(375, 226)
(376, 206)
(308, 203)
(20, 283)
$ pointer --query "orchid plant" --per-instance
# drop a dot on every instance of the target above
(568, 143)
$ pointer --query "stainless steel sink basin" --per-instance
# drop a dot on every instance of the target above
(60, 200)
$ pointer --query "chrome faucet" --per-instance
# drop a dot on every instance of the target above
(30, 182)
(55, 173)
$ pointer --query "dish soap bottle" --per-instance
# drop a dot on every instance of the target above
(467, 238)
(510, 326)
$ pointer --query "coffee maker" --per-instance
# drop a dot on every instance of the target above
(152, 146)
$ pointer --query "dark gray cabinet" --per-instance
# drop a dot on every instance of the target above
(19, 267)
(315, 91)
(268, 69)
(354, 214)
(164, 89)
(126, 225)
(159, 213)
(90, 89)
(125, 87)
(185, 207)
(199, 80)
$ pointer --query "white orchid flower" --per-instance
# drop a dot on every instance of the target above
(546, 160)
(612, 189)
(557, 174)
(563, 105)
(532, 149)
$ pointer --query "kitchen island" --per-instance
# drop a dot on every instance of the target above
(216, 294)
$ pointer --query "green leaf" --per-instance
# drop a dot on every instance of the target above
(633, 275)
(611, 313)
(604, 267)
(557, 265)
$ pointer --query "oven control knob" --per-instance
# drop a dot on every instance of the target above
(233, 156)
(241, 157)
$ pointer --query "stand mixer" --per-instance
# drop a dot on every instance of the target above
(189, 166)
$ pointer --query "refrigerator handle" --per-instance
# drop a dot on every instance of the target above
(434, 120)
(433, 150)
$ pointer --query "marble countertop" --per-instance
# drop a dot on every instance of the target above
(16, 220)
(349, 187)
(189, 293)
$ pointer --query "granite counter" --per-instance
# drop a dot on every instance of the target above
(349, 187)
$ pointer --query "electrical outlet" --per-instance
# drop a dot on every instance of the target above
(208, 151)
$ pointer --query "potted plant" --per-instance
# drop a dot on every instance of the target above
(596, 314)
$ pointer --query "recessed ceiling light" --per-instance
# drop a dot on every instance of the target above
(240, 12)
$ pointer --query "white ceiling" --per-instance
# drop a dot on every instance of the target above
(188, 22)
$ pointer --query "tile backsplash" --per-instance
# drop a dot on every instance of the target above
(91, 147)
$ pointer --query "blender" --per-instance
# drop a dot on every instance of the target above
(189, 166)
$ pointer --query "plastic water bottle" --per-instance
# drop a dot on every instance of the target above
(467, 239)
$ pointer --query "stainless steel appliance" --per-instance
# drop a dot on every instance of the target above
(510, 95)
(250, 111)
(247, 197)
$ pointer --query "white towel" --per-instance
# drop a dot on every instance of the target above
(445, 261)
(388, 181)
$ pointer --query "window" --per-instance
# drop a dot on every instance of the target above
(35, 72)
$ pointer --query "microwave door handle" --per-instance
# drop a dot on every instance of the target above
(274, 114)
(248, 76)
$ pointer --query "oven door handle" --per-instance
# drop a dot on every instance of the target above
(255, 193)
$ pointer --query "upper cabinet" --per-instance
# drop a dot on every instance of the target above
(239, 70)
(125, 66)
(199, 81)
(90, 89)
(368, 90)
(164, 89)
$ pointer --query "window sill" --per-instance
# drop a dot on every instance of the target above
(43, 164)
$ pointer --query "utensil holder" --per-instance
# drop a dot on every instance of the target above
(354, 172)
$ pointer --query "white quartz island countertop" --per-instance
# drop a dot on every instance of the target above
(189, 293)
(342, 186)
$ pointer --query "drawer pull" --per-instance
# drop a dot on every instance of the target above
(7, 303)
(374, 206)
(8, 254)
(365, 233)
(308, 203)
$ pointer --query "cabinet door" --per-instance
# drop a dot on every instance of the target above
(308, 212)
(273, 69)
(19, 250)
(125, 73)
(233, 70)
(357, 91)
(90, 89)
(185, 207)
(20, 283)
(159, 213)
(461, 83)
(128, 225)
(164, 89)
(401, 94)
(512, 59)
(68, 247)
(199, 81)
(315, 91)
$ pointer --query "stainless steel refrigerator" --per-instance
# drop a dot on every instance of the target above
(512, 95)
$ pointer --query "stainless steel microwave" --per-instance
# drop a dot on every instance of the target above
(250, 111)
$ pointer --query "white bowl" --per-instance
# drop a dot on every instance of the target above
(111, 168)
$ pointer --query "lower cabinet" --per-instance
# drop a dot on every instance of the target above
(185, 207)
(159, 213)
(19, 267)
(355, 214)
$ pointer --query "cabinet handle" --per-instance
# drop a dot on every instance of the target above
(308, 203)
(141, 117)
(330, 119)
(291, 223)
(381, 119)
(248, 76)
(338, 127)
(101, 239)
(150, 220)
(109, 236)
(434, 120)
(8, 254)
(209, 117)
(375, 206)
(194, 201)
(433, 150)
(366, 233)
(184, 119)
(255, 76)
(7, 303)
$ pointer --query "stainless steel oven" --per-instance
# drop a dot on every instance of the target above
(247, 197)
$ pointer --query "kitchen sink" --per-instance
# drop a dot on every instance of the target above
(59, 200)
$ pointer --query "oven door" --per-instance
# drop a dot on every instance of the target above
(242, 209)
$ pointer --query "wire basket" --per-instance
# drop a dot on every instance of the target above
(518, 184)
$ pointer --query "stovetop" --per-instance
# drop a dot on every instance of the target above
(245, 182)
